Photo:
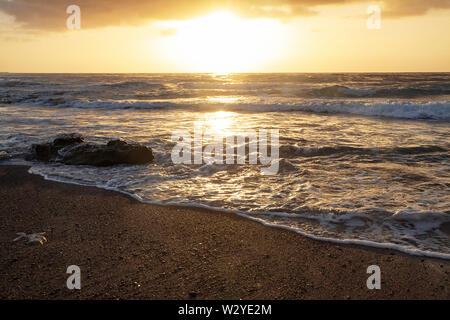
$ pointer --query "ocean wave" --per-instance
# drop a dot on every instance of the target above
(340, 91)
(133, 85)
(427, 110)
(62, 102)
(337, 91)
(18, 83)
(292, 151)
(401, 109)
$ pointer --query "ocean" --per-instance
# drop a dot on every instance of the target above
(364, 158)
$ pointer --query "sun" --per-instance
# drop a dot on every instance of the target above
(222, 42)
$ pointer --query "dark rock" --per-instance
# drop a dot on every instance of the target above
(445, 228)
(72, 150)
(63, 140)
(116, 143)
(41, 152)
(4, 155)
(49, 151)
(111, 154)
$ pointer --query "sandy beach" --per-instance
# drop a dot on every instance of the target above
(130, 250)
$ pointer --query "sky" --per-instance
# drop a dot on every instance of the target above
(134, 36)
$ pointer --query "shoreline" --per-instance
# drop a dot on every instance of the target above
(132, 250)
(445, 227)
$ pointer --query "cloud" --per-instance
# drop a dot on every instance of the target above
(51, 14)
(403, 8)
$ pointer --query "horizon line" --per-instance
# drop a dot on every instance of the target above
(224, 73)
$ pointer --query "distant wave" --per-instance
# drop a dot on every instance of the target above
(18, 83)
(133, 85)
(339, 91)
(428, 110)
(290, 151)
(393, 108)
(62, 102)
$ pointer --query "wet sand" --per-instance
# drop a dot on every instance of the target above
(130, 250)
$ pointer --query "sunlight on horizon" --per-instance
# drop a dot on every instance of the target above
(222, 42)
(335, 39)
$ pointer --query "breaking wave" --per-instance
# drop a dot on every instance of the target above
(424, 110)
(291, 151)
(339, 91)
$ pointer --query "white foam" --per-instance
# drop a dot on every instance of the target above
(351, 219)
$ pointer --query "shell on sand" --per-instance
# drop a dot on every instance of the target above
(32, 237)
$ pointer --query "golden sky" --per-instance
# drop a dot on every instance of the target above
(224, 36)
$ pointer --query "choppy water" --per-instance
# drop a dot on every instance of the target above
(364, 157)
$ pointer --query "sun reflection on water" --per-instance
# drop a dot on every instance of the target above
(219, 123)
(223, 99)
